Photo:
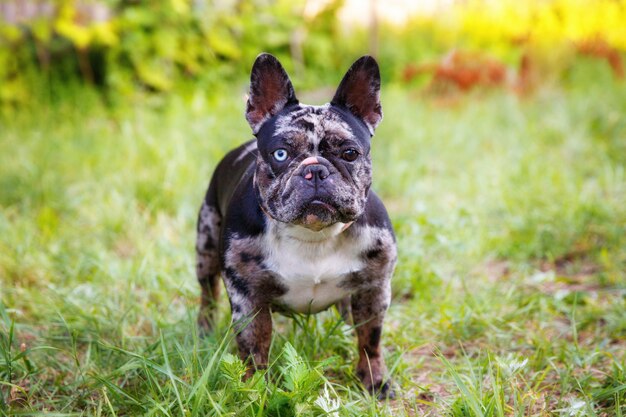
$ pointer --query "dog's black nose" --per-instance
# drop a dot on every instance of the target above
(315, 172)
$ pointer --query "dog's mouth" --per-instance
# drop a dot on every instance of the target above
(317, 205)
(318, 214)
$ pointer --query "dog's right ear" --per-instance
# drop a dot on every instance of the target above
(270, 91)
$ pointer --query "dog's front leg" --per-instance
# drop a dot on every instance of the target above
(250, 292)
(252, 321)
(368, 311)
(254, 333)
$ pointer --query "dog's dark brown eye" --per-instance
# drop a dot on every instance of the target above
(350, 154)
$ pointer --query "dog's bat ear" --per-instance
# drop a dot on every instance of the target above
(359, 92)
(270, 91)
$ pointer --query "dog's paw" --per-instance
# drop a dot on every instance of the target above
(382, 390)
(377, 386)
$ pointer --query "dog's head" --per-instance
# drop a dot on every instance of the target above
(314, 165)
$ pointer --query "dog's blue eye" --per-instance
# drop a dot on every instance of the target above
(280, 155)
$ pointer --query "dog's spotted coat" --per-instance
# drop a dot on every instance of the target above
(302, 233)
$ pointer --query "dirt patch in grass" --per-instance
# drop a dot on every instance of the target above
(428, 385)
(494, 270)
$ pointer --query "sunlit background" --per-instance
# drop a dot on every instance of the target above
(127, 46)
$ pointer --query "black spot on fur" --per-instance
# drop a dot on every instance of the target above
(248, 257)
(375, 337)
(240, 285)
(373, 253)
(354, 280)
(271, 288)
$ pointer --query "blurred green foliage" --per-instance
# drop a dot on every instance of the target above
(122, 45)
(130, 46)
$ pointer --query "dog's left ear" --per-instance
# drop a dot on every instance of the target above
(359, 92)
(270, 91)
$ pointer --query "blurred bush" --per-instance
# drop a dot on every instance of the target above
(125, 46)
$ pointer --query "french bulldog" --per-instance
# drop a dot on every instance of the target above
(289, 220)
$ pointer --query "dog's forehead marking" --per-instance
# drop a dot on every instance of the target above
(313, 123)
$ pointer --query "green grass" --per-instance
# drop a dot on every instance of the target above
(509, 295)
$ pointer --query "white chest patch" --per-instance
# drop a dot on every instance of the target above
(312, 271)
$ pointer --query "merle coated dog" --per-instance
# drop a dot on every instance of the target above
(290, 221)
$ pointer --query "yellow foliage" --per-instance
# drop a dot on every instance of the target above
(65, 25)
(540, 22)
(9, 32)
(180, 6)
(105, 33)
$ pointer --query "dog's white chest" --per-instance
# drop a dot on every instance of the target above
(312, 272)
